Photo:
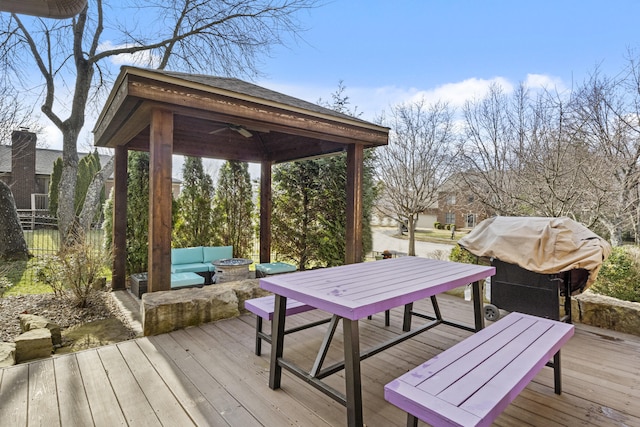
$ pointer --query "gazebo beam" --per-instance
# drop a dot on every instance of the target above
(353, 244)
(119, 224)
(160, 199)
(265, 211)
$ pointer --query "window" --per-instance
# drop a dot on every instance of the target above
(451, 199)
(450, 218)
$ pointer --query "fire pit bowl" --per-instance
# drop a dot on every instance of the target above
(231, 269)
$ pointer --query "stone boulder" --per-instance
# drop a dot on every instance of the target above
(244, 290)
(34, 344)
(7, 354)
(29, 322)
(168, 311)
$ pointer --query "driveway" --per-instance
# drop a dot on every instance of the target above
(383, 240)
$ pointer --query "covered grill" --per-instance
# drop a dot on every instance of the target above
(538, 260)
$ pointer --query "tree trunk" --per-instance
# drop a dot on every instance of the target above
(12, 244)
(615, 232)
(412, 235)
(92, 199)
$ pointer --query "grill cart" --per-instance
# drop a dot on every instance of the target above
(538, 261)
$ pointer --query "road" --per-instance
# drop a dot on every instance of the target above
(383, 240)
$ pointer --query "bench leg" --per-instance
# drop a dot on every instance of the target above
(258, 339)
(387, 318)
(412, 421)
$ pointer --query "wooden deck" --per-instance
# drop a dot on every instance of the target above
(209, 376)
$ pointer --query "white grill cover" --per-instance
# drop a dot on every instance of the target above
(538, 244)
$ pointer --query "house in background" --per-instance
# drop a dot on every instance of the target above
(458, 205)
(27, 171)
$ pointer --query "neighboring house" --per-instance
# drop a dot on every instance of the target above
(457, 205)
(27, 171)
(426, 219)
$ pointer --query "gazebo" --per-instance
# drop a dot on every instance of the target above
(168, 113)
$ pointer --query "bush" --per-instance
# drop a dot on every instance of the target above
(459, 254)
(77, 271)
(619, 276)
(437, 225)
(48, 271)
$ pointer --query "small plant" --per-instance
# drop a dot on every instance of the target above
(436, 225)
(619, 276)
(77, 270)
(48, 271)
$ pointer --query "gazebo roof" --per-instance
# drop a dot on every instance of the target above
(226, 118)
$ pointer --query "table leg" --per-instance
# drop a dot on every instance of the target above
(277, 341)
(406, 319)
(352, 376)
(478, 306)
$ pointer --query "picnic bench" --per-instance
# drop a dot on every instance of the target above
(263, 309)
(471, 383)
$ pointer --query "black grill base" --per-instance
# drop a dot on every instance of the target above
(514, 288)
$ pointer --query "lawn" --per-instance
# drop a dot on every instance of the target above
(40, 242)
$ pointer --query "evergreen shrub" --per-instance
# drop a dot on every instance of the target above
(619, 276)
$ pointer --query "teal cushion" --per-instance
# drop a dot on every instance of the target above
(186, 255)
(213, 253)
(186, 279)
(196, 267)
(275, 267)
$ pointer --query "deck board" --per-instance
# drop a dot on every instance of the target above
(73, 403)
(105, 409)
(43, 407)
(134, 404)
(209, 375)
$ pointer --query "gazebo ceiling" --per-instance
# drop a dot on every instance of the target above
(226, 118)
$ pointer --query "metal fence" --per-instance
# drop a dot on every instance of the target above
(42, 237)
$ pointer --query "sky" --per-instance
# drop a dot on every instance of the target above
(392, 52)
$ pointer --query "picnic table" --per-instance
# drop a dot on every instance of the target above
(356, 291)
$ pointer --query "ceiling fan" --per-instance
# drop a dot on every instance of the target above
(240, 129)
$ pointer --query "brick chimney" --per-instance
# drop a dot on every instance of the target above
(23, 167)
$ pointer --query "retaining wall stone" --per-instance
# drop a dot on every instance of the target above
(7, 354)
(606, 312)
(29, 322)
(34, 344)
(167, 311)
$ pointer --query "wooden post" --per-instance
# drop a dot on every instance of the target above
(119, 232)
(160, 151)
(265, 211)
(353, 245)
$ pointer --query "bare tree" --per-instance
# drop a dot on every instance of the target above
(559, 174)
(609, 109)
(525, 154)
(417, 161)
(72, 55)
(14, 114)
(488, 162)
